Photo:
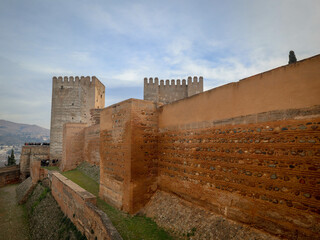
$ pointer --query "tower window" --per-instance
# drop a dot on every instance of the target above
(61, 87)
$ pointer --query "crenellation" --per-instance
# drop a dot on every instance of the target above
(72, 99)
(171, 90)
(195, 79)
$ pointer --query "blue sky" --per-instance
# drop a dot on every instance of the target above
(121, 42)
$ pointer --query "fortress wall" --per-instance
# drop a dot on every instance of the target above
(171, 90)
(291, 86)
(9, 175)
(144, 155)
(91, 150)
(128, 133)
(249, 151)
(29, 153)
(73, 145)
(80, 207)
(264, 174)
(115, 154)
(72, 99)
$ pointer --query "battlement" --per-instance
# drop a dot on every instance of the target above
(74, 80)
(167, 91)
(173, 82)
(72, 100)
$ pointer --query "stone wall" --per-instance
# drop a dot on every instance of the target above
(29, 153)
(182, 218)
(9, 175)
(72, 100)
(128, 141)
(167, 93)
(91, 150)
(80, 207)
(80, 144)
(73, 145)
(264, 174)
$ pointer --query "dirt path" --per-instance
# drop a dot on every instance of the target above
(13, 221)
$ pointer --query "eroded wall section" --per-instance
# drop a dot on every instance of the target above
(32, 153)
(128, 135)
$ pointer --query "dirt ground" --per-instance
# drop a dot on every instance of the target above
(13, 219)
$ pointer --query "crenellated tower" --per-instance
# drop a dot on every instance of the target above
(72, 100)
(167, 92)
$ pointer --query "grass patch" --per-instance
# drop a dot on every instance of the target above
(129, 227)
(52, 168)
(133, 227)
(83, 181)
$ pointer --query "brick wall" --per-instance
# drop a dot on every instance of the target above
(9, 175)
(72, 100)
(91, 150)
(265, 174)
(73, 145)
(128, 154)
(32, 152)
(293, 86)
(80, 207)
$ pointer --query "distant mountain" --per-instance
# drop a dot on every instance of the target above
(16, 133)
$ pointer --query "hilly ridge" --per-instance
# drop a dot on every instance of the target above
(16, 133)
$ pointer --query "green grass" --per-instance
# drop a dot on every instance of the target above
(83, 181)
(52, 168)
(129, 227)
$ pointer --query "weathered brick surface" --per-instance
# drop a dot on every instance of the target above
(29, 153)
(128, 154)
(24, 190)
(9, 175)
(183, 218)
(72, 100)
(264, 174)
(80, 207)
(73, 145)
(91, 149)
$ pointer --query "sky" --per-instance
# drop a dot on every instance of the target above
(121, 42)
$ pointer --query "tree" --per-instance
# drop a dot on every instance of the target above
(11, 159)
(292, 57)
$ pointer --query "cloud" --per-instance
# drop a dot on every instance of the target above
(121, 42)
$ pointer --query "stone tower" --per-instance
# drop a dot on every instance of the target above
(72, 99)
(167, 93)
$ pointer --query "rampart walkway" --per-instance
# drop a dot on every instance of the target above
(13, 220)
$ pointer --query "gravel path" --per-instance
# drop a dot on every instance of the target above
(13, 220)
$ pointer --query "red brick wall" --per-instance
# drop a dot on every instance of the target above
(32, 153)
(143, 153)
(91, 150)
(265, 174)
(128, 154)
(9, 175)
(80, 207)
(72, 145)
(115, 148)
